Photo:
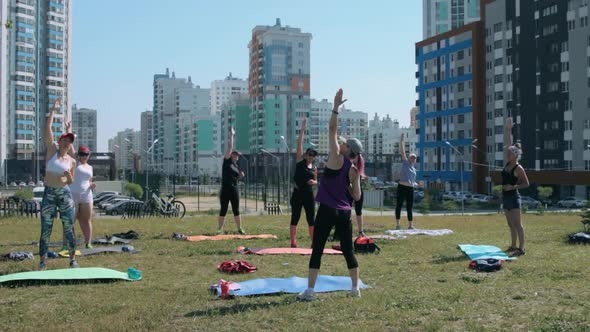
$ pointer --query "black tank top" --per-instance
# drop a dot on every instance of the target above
(302, 175)
(508, 177)
(230, 174)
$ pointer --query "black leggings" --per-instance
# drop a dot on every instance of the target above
(407, 193)
(299, 201)
(358, 205)
(229, 195)
(327, 218)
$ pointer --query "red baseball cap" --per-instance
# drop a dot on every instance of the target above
(69, 135)
(83, 149)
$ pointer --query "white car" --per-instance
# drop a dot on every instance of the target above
(570, 202)
(38, 194)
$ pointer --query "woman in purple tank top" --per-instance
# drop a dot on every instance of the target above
(339, 186)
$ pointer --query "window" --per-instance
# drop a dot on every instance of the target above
(460, 55)
(461, 71)
(460, 87)
(567, 125)
(498, 78)
(497, 44)
(498, 27)
(586, 124)
(461, 118)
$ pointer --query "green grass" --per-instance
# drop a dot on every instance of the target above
(419, 283)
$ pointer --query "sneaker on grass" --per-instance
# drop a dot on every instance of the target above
(307, 295)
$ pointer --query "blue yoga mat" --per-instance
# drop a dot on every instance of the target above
(292, 285)
(482, 251)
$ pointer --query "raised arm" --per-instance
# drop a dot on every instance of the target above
(507, 140)
(230, 143)
(334, 161)
(299, 154)
(402, 148)
(71, 151)
(49, 146)
(355, 183)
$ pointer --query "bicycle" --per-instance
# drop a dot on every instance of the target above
(171, 207)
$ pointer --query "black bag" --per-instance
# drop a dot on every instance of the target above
(365, 245)
(486, 265)
(580, 238)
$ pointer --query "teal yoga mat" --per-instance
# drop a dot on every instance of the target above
(85, 273)
(484, 251)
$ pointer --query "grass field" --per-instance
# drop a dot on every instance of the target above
(418, 283)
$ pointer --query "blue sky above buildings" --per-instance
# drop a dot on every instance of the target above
(367, 48)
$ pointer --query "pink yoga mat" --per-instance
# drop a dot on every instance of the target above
(196, 238)
(283, 251)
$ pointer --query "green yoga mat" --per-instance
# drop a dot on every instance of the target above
(85, 273)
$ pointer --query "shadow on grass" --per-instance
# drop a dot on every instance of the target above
(239, 308)
(443, 259)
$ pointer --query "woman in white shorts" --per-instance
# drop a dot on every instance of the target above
(81, 189)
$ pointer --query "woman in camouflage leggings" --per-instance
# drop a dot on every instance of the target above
(59, 173)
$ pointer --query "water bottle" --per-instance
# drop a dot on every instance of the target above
(133, 274)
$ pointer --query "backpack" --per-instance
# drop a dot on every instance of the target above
(486, 265)
(365, 245)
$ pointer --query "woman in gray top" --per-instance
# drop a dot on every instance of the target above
(406, 185)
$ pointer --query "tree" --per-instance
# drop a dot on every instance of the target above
(544, 192)
(134, 190)
(24, 194)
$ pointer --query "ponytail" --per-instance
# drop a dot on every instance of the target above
(360, 164)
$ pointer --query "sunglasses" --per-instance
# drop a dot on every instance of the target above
(83, 154)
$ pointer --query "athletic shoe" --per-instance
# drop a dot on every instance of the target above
(42, 266)
(219, 231)
(74, 264)
(241, 231)
(89, 246)
(398, 227)
(411, 227)
(293, 245)
(307, 295)
(355, 292)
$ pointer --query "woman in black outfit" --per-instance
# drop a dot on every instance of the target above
(229, 185)
(513, 178)
(305, 178)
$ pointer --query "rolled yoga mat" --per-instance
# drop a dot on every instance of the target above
(289, 285)
(100, 250)
(84, 273)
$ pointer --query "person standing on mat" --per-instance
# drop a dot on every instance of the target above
(340, 182)
(230, 175)
(513, 178)
(305, 178)
(405, 186)
(59, 174)
(82, 188)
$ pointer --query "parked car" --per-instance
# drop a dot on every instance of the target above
(38, 194)
(571, 202)
(103, 205)
(478, 198)
(103, 193)
(103, 198)
(529, 202)
(118, 208)
(22, 184)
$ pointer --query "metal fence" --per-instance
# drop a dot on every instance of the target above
(19, 208)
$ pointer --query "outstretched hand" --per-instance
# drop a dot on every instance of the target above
(56, 104)
(303, 124)
(232, 131)
(68, 125)
(338, 99)
(509, 123)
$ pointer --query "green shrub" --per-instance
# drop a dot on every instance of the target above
(424, 206)
(134, 190)
(24, 194)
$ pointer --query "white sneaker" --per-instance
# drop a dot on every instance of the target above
(355, 292)
(307, 295)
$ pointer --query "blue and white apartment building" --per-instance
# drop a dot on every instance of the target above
(451, 110)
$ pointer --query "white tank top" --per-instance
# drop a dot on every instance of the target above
(82, 178)
(56, 166)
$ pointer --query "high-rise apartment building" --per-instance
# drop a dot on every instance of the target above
(147, 139)
(538, 72)
(279, 85)
(350, 124)
(126, 147)
(177, 102)
(451, 108)
(222, 91)
(440, 16)
(34, 56)
(84, 127)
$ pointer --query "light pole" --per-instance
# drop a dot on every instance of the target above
(288, 159)
(279, 164)
(462, 161)
(150, 152)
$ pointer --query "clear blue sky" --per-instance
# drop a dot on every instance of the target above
(365, 47)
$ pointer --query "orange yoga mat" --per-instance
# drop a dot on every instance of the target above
(221, 237)
(283, 251)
